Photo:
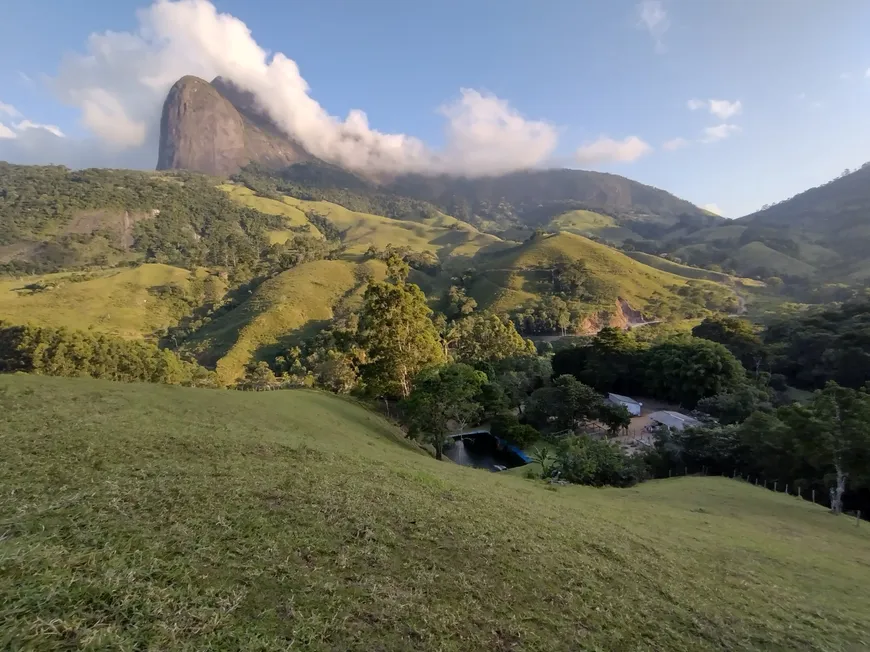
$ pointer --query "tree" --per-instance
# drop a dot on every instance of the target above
(397, 336)
(687, 369)
(738, 336)
(260, 378)
(485, 338)
(337, 373)
(737, 405)
(594, 462)
(567, 404)
(441, 395)
(832, 433)
(616, 417)
(459, 304)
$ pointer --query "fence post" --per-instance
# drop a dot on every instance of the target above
(669, 473)
(858, 519)
(814, 496)
(786, 488)
(756, 481)
(774, 485)
(686, 471)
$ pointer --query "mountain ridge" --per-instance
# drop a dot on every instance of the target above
(217, 128)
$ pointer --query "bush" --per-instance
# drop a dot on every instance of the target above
(523, 435)
(582, 460)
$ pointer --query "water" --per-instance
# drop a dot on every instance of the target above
(481, 451)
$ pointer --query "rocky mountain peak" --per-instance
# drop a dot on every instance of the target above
(216, 128)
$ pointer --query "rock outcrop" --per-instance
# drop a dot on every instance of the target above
(216, 128)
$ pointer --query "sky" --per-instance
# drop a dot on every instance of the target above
(730, 104)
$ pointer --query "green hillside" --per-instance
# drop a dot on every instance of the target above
(509, 279)
(303, 297)
(435, 232)
(589, 223)
(168, 518)
(125, 301)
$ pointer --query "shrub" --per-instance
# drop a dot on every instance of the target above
(582, 460)
(523, 435)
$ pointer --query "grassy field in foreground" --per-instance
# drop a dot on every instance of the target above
(151, 517)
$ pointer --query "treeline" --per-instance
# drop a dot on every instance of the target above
(192, 222)
(833, 345)
(62, 352)
(820, 447)
(681, 369)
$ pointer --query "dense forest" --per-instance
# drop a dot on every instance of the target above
(62, 352)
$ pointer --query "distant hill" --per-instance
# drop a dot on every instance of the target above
(533, 198)
(607, 287)
(822, 234)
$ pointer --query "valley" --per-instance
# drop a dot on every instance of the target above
(232, 388)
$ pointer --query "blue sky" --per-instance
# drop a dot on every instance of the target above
(599, 85)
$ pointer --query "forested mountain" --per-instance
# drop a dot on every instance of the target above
(821, 235)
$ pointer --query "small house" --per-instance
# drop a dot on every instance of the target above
(630, 404)
(673, 419)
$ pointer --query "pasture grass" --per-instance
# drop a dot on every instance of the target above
(152, 517)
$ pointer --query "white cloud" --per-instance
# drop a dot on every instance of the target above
(654, 19)
(6, 132)
(120, 81)
(713, 208)
(24, 125)
(722, 109)
(9, 110)
(719, 132)
(607, 150)
(675, 143)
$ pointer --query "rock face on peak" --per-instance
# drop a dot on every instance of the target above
(216, 128)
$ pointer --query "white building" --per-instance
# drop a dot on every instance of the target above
(630, 404)
(673, 419)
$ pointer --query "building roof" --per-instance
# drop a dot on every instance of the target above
(673, 419)
(622, 399)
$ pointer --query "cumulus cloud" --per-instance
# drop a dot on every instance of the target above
(121, 79)
(722, 109)
(713, 208)
(9, 110)
(24, 125)
(674, 144)
(6, 132)
(719, 132)
(608, 150)
(653, 17)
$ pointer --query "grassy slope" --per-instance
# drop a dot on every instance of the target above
(676, 268)
(443, 235)
(150, 517)
(509, 282)
(587, 223)
(115, 301)
(756, 254)
(304, 296)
